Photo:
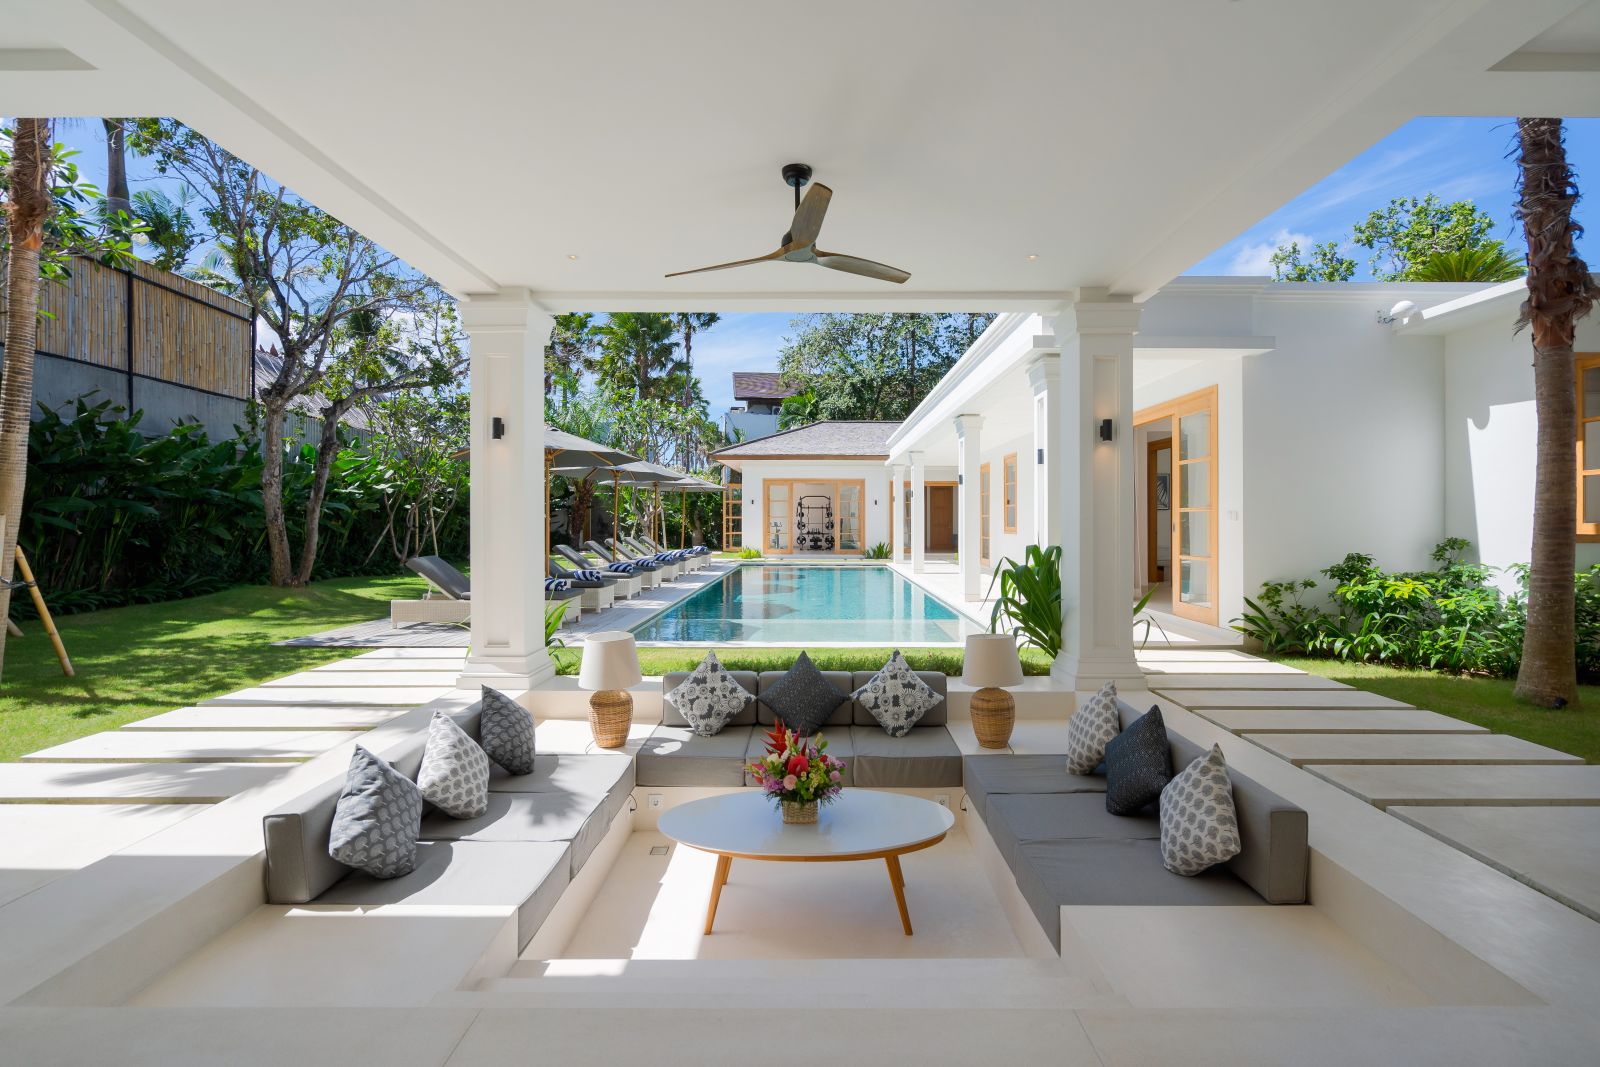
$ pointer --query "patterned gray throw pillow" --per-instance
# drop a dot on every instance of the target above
(896, 697)
(1090, 729)
(505, 731)
(376, 819)
(803, 698)
(1138, 765)
(455, 772)
(1199, 826)
(709, 698)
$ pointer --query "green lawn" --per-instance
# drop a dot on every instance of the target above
(139, 661)
(1487, 702)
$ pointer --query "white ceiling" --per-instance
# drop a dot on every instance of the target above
(488, 141)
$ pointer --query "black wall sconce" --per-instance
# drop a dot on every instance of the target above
(1105, 429)
(1039, 456)
(497, 427)
(961, 479)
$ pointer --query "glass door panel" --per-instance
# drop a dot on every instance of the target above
(777, 517)
(1195, 514)
(850, 517)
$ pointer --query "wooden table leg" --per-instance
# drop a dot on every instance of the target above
(717, 882)
(898, 880)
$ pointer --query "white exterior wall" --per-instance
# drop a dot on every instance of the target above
(875, 524)
(1001, 437)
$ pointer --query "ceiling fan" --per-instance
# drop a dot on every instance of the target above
(799, 245)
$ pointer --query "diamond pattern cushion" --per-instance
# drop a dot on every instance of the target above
(1138, 765)
(1090, 729)
(376, 819)
(505, 729)
(1199, 827)
(803, 698)
(709, 698)
(454, 776)
(896, 697)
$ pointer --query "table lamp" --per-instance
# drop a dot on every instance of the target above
(610, 666)
(991, 662)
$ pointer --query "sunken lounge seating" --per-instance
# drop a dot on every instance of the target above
(926, 758)
(539, 831)
(1063, 847)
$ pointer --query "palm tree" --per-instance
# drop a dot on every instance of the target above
(572, 345)
(168, 224)
(1487, 263)
(116, 168)
(637, 349)
(1560, 292)
(29, 203)
(801, 409)
(687, 323)
(587, 417)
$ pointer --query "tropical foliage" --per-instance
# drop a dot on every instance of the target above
(863, 366)
(1410, 239)
(1491, 263)
(1029, 601)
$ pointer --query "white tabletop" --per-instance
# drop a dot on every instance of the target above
(860, 822)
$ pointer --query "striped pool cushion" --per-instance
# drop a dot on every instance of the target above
(556, 585)
(589, 575)
(621, 567)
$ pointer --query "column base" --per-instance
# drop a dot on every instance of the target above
(1089, 671)
(507, 671)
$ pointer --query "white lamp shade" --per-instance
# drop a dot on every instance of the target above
(610, 661)
(991, 660)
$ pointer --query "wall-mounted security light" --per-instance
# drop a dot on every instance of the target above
(1401, 313)
(497, 427)
(1105, 429)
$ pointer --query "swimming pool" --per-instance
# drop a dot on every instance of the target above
(809, 605)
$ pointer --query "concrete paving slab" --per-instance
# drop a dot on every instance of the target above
(1232, 666)
(402, 652)
(45, 841)
(334, 696)
(1349, 747)
(1292, 682)
(267, 717)
(1197, 655)
(1328, 720)
(1195, 699)
(389, 664)
(1384, 786)
(364, 678)
(194, 746)
(122, 783)
(1556, 850)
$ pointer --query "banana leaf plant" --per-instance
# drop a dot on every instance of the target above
(1029, 601)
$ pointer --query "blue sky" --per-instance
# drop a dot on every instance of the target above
(1458, 158)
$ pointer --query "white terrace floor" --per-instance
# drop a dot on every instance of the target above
(1414, 951)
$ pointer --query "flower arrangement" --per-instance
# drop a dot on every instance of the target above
(797, 773)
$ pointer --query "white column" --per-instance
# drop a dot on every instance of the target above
(1096, 493)
(1044, 375)
(508, 332)
(919, 515)
(897, 511)
(968, 504)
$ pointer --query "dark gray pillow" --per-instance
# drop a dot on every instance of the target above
(803, 698)
(1138, 765)
(376, 819)
(505, 730)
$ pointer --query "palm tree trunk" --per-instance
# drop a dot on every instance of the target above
(117, 197)
(1560, 292)
(28, 206)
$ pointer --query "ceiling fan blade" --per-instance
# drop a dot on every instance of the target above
(724, 266)
(864, 267)
(808, 216)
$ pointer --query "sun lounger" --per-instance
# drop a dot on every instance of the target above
(625, 583)
(652, 572)
(596, 594)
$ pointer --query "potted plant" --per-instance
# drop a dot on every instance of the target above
(797, 774)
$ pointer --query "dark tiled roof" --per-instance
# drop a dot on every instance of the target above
(760, 385)
(818, 439)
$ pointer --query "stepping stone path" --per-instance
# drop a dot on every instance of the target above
(1530, 811)
(65, 807)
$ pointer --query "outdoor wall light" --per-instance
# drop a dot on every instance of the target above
(497, 427)
(1038, 456)
(1105, 429)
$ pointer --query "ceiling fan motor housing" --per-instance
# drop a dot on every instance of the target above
(796, 174)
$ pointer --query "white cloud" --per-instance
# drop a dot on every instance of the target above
(1255, 257)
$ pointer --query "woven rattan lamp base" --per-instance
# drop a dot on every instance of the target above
(994, 713)
(610, 713)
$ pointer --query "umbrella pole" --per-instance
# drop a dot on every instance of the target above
(616, 511)
(549, 456)
(683, 515)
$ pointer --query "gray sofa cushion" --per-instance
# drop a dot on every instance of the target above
(506, 732)
(375, 818)
(709, 698)
(925, 758)
(674, 755)
(671, 716)
(938, 715)
(895, 697)
(454, 776)
(529, 876)
(805, 698)
(840, 746)
(988, 775)
(840, 680)
(1100, 871)
(1138, 765)
(1020, 818)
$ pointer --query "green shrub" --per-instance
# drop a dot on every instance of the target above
(1029, 601)
(878, 551)
(749, 552)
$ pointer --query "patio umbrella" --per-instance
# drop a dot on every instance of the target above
(685, 486)
(636, 472)
(579, 459)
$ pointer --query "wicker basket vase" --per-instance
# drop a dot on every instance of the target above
(796, 812)
(610, 713)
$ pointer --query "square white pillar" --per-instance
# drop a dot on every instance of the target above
(1094, 480)
(1044, 376)
(968, 508)
(897, 512)
(919, 515)
(508, 334)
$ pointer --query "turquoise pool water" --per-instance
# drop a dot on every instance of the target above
(801, 605)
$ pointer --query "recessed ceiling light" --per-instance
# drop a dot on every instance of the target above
(572, 257)
(1032, 257)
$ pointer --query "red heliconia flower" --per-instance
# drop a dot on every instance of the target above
(798, 765)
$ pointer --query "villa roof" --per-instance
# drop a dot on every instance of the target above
(761, 385)
(829, 439)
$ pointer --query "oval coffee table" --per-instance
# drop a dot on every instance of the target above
(860, 825)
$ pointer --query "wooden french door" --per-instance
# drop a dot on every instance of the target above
(1193, 422)
(941, 518)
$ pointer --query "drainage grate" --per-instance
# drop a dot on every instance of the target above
(659, 850)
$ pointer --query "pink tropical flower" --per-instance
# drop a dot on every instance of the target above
(790, 781)
(833, 776)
